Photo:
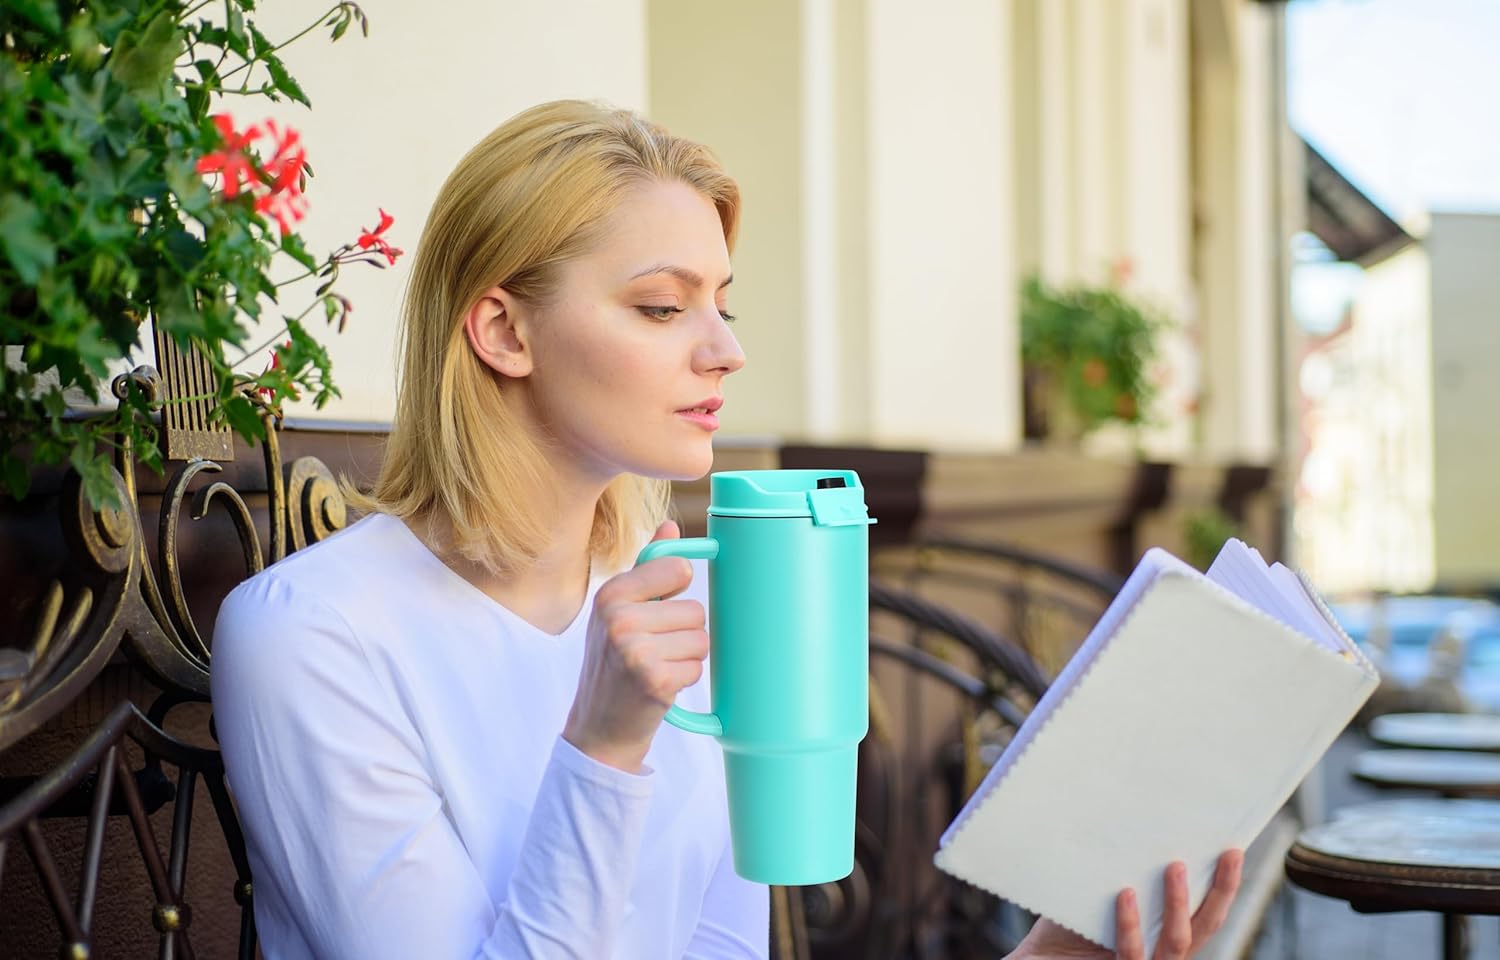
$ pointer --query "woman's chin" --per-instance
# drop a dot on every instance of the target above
(683, 468)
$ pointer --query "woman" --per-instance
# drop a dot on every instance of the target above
(443, 725)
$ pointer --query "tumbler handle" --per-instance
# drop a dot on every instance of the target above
(692, 548)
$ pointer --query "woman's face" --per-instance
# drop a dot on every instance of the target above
(628, 361)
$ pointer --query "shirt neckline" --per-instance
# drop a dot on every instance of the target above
(447, 572)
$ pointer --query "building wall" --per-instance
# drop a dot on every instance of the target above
(1235, 154)
(394, 112)
(1466, 395)
(731, 76)
(903, 168)
(944, 357)
(1364, 492)
(1103, 173)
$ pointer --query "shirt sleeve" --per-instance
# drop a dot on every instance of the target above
(353, 853)
(736, 920)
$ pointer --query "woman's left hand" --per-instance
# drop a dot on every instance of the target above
(1181, 934)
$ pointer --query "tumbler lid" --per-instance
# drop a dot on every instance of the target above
(831, 498)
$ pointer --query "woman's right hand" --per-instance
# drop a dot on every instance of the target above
(638, 654)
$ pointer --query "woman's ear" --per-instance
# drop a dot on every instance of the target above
(496, 326)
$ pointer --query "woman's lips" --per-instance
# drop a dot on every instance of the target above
(701, 417)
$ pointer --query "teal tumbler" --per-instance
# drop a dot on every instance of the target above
(788, 554)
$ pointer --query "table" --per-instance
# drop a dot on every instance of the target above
(1399, 855)
(1438, 731)
(1450, 773)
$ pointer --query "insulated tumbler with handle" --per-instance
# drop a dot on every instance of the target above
(788, 554)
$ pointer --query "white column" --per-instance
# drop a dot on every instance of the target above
(1156, 197)
(1054, 96)
(1259, 246)
(944, 354)
(1237, 250)
(1099, 156)
(822, 363)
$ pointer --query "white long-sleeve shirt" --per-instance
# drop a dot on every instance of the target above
(392, 740)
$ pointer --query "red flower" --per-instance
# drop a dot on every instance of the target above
(283, 199)
(287, 206)
(286, 164)
(269, 392)
(232, 161)
(372, 238)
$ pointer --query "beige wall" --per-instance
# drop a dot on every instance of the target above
(395, 111)
(876, 267)
(903, 167)
(944, 366)
(1235, 154)
(1464, 249)
(729, 75)
(1103, 170)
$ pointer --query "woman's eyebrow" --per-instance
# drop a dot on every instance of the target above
(690, 277)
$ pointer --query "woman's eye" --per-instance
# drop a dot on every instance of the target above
(659, 313)
(728, 317)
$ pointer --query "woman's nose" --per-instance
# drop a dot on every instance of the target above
(721, 353)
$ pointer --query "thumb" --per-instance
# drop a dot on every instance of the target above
(667, 531)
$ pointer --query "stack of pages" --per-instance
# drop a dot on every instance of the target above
(1186, 719)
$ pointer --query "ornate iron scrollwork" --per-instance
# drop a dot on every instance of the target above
(112, 597)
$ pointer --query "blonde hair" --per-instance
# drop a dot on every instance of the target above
(529, 197)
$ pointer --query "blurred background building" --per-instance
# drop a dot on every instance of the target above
(905, 167)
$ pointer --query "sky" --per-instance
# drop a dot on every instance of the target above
(1403, 96)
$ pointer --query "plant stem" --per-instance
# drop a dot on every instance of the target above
(191, 399)
(269, 343)
(285, 43)
(303, 276)
(192, 10)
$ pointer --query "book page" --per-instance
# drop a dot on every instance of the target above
(1191, 728)
(1238, 569)
(1276, 590)
(1152, 564)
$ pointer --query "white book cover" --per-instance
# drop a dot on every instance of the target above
(1186, 719)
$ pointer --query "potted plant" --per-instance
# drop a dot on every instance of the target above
(129, 194)
(1086, 353)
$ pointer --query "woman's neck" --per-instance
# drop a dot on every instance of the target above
(550, 590)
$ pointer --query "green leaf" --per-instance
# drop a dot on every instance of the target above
(21, 237)
(145, 62)
(243, 417)
(185, 250)
(93, 468)
(42, 13)
(54, 403)
(292, 246)
(17, 476)
(284, 82)
(259, 43)
(236, 19)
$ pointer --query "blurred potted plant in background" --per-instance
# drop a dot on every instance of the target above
(128, 196)
(1204, 533)
(1086, 352)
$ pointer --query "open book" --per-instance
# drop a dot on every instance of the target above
(1186, 719)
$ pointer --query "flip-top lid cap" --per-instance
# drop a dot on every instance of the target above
(828, 497)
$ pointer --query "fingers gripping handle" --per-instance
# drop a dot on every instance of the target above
(692, 548)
